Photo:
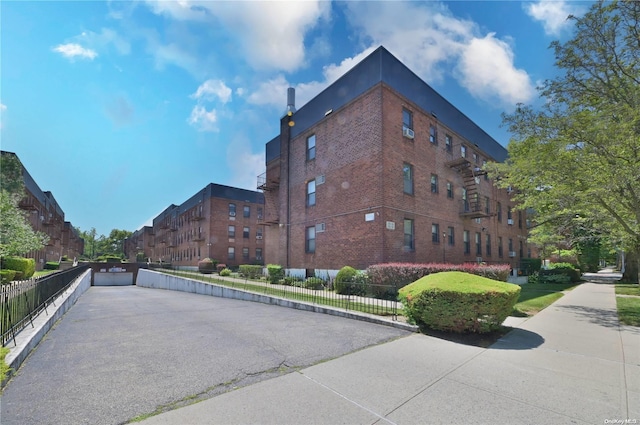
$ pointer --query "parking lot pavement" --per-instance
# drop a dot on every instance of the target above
(123, 352)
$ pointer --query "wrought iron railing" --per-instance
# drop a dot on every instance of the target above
(22, 301)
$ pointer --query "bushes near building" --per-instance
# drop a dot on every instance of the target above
(459, 302)
(7, 275)
(24, 267)
(51, 265)
(401, 274)
(225, 272)
(207, 265)
(250, 271)
(275, 272)
(559, 273)
(350, 281)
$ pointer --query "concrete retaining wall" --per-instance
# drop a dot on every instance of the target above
(112, 279)
(30, 337)
(152, 279)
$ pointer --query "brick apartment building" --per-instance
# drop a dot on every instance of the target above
(380, 168)
(219, 222)
(45, 215)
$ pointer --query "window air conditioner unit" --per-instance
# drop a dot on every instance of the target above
(512, 254)
(232, 214)
(407, 132)
(259, 237)
(510, 221)
(320, 227)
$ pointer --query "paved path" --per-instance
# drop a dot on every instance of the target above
(571, 363)
(121, 352)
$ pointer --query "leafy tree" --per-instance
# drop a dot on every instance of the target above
(578, 155)
(17, 237)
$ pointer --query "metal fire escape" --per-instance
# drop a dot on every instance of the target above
(471, 206)
(269, 185)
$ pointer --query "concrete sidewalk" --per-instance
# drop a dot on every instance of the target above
(571, 363)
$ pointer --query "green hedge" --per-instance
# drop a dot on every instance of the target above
(459, 302)
(25, 267)
(51, 265)
(207, 266)
(313, 283)
(275, 272)
(567, 269)
(225, 272)
(250, 271)
(7, 275)
(350, 281)
(528, 266)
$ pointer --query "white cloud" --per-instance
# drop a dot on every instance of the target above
(434, 43)
(496, 78)
(202, 119)
(253, 164)
(102, 40)
(553, 14)
(212, 89)
(73, 50)
(271, 34)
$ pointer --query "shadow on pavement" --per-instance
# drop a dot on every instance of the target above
(518, 339)
(598, 316)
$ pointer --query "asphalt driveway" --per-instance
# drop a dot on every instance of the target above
(124, 352)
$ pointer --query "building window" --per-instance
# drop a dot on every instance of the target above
(260, 213)
(500, 252)
(475, 158)
(435, 233)
(499, 211)
(509, 214)
(487, 205)
(311, 193)
(409, 241)
(449, 190)
(465, 201)
(232, 210)
(521, 250)
(467, 242)
(478, 244)
(434, 183)
(519, 219)
(484, 167)
(407, 171)
(407, 119)
(433, 134)
(245, 232)
(451, 236)
(311, 147)
(259, 254)
(463, 151)
(232, 232)
(259, 232)
(231, 253)
(246, 211)
(510, 245)
(488, 245)
(448, 142)
(310, 239)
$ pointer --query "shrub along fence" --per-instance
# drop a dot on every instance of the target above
(360, 297)
(21, 301)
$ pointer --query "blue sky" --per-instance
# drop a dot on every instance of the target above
(122, 108)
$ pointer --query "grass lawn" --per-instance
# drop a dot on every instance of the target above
(43, 273)
(628, 310)
(535, 297)
(628, 289)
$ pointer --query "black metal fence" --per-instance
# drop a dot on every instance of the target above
(380, 300)
(22, 301)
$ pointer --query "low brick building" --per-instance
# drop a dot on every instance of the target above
(380, 168)
(45, 215)
(219, 222)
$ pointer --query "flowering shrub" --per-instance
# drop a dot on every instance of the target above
(402, 274)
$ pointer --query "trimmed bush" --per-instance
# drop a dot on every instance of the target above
(207, 266)
(291, 281)
(528, 266)
(51, 265)
(25, 267)
(567, 269)
(6, 275)
(459, 302)
(401, 274)
(220, 267)
(349, 281)
(250, 271)
(313, 283)
(274, 273)
(225, 272)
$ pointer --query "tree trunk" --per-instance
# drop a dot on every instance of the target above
(632, 267)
